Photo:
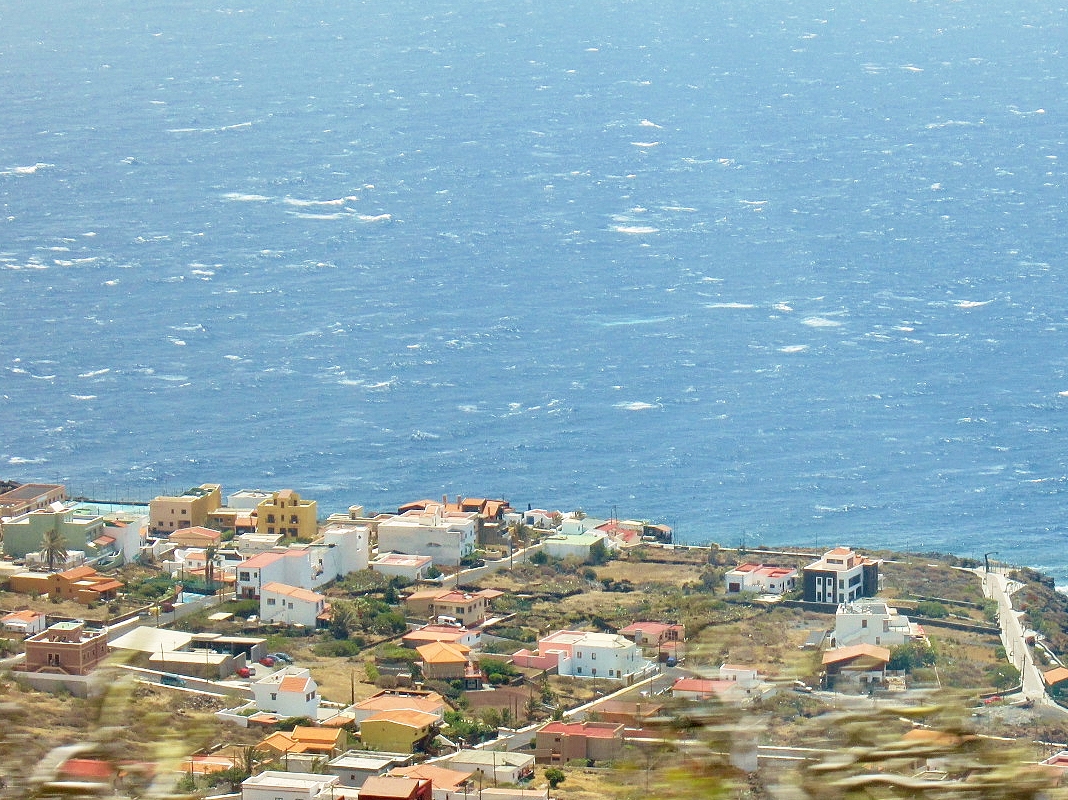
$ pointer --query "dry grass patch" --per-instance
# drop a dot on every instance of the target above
(643, 573)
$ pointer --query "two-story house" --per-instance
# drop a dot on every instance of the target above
(446, 536)
(841, 576)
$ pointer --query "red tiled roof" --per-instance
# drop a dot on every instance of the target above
(707, 686)
(21, 616)
(261, 560)
(87, 768)
(391, 787)
(594, 730)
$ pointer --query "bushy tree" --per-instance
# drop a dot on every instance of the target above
(555, 776)
(1003, 676)
(910, 656)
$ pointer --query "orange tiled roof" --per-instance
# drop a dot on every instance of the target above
(293, 683)
(1055, 676)
(442, 778)
(303, 733)
(855, 651)
(443, 653)
(406, 717)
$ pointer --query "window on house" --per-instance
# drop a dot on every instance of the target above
(185, 511)
(274, 695)
(245, 576)
(593, 656)
(293, 520)
(270, 601)
(864, 623)
(270, 517)
(270, 529)
(595, 670)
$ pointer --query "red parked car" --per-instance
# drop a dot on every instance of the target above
(267, 661)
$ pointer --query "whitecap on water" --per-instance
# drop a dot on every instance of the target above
(821, 322)
(730, 305)
(973, 303)
(30, 170)
(794, 348)
(635, 229)
(84, 396)
(637, 405)
(240, 197)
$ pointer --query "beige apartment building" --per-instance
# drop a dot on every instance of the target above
(191, 509)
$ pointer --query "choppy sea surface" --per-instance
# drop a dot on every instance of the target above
(787, 272)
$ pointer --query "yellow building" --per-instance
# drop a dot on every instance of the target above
(168, 514)
(402, 731)
(285, 513)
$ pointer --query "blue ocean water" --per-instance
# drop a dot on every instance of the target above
(784, 272)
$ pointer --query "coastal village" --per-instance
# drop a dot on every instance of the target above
(252, 646)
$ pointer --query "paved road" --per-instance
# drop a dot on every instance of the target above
(1000, 588)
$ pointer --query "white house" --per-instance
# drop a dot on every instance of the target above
(746, 677)
(760, 579)
(271, 785)
(445, 536)
(498, 767)
(575, 546)
(291, 605)
(582, 654)
(274, 566)
(873, 622)
(25, 622)
(289, 692)
(571, 525)
(411, 568)
(340, 550)
(247, 499)
(252, 544)
(604, 655)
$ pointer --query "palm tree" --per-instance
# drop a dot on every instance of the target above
(209, 567)
(343, 618)
(520, 532)
(53, 548)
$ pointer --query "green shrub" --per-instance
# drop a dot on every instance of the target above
(931, 609)
(339, 648)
